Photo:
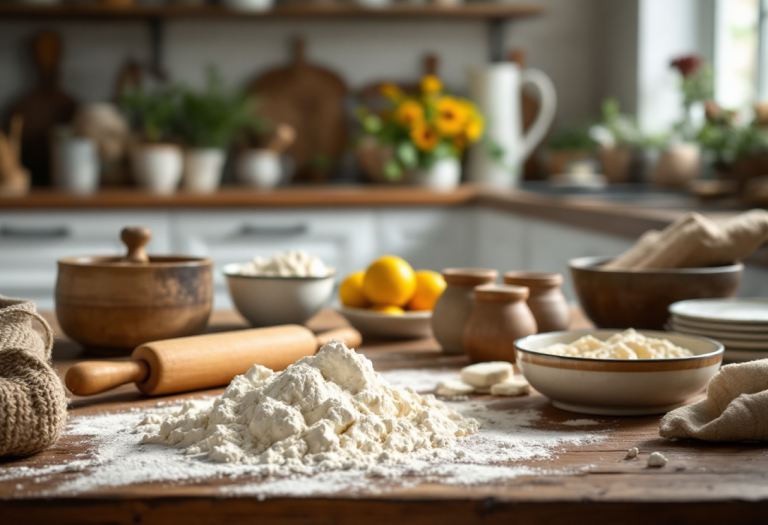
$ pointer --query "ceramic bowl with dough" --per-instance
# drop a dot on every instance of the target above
(618, 387)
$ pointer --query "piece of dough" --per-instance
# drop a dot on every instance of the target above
(483, 375)
(514, 386)
(453, 387)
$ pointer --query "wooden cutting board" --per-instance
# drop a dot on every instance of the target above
(311, 100)
(46, 107)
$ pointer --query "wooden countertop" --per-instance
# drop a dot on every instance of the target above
(703, 483)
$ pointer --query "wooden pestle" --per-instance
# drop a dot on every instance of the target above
(203, 361)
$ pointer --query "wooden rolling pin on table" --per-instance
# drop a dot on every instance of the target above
(203, 361)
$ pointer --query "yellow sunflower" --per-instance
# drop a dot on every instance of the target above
(475, 128)
(424, 137)
(391, 91)
(452, 116)
(410, 113)
(430, 85)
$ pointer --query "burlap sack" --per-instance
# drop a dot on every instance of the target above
(33, 401)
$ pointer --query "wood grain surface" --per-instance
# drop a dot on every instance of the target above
(703, 483)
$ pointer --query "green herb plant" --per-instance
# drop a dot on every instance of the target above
(214, 116)
(152, 113)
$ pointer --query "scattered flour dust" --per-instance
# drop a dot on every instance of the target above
(403, 439)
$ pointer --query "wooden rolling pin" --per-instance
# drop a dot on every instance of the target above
(203, 361)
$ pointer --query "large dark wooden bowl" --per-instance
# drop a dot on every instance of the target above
(640, 299)
(113, 304)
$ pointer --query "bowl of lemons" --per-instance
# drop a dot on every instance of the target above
(389, 300)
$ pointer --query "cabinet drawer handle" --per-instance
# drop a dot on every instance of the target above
(56, 232)
(298, 229)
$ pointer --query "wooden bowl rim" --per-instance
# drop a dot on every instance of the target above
(155, 261)
(591, 264)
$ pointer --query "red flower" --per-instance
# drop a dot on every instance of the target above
(687, 65)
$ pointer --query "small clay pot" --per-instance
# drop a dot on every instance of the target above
(546, 300)
(500, 317)
(456, 303)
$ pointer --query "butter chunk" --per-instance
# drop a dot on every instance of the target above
(453, 387)
(657, 460)
(514, 386)
(483, 375)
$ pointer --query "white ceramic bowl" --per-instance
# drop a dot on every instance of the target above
(618, 387)
(269, 301)
(410, 325)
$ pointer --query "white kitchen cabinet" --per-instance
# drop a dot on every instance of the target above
(551, 245)
(433, 238)
(344, 239)
(32, 242)
(500, 241)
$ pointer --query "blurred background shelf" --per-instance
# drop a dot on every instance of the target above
(330, 10)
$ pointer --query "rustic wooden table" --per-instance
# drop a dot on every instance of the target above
(703, 483)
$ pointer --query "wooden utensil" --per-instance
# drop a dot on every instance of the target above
(311, 100)
(113, 304)
(43, 109)
(14, 179)
(204, 361)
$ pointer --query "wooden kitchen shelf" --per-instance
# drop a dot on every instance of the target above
(330, 11)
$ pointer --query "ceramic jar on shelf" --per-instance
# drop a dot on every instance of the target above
(157, 167)
(499, 317)
(202, 169)
(546, 300)
(454, 306)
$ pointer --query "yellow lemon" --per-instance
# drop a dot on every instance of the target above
(389, 280)
(388, 309)
(429, 288)
(351, 291)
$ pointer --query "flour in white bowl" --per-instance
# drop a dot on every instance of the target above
(293, 263)
(328, 411)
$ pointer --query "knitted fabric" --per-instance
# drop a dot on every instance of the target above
(33, 402)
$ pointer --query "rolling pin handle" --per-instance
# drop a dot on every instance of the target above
(348, 336)
(93, 377)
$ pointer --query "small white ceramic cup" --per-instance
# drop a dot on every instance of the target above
(75, 165)
(202, 169)
(157, 167)
(261, 169)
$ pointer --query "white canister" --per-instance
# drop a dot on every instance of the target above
(259, 168)
(75, 165)
(254, 6)
(443, 175)
(202, 169)
(157, 167)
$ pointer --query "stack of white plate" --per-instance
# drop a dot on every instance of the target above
(741, 325)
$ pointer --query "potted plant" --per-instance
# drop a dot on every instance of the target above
(617, 135)
(208, 121)
(568, 148)
(156, 162)
(427, 133)
(680, 162)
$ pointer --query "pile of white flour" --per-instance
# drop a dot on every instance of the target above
(329, 411)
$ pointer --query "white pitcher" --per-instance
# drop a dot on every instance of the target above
(496, 89)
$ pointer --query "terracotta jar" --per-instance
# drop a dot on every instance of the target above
(546, 301)
(500, 316)
(454, 306)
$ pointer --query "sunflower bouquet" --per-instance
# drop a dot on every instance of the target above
(422, 129)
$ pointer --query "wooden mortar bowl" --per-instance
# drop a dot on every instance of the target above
(113, 304)
(641, 298)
